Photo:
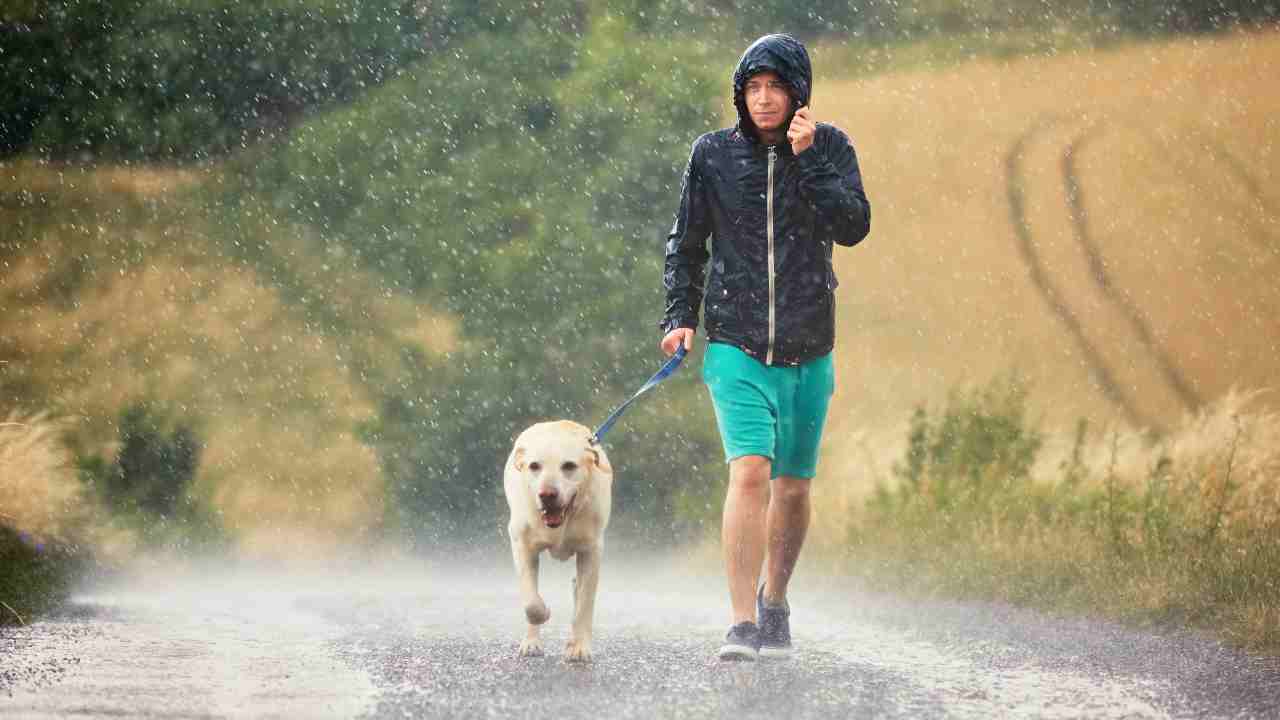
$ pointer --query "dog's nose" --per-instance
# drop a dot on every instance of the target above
(547, 494)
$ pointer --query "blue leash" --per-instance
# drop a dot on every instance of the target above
(666, 370)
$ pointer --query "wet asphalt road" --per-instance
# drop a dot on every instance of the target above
(422, 642)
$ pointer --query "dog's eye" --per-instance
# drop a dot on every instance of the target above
(535, 466)
(569, 467)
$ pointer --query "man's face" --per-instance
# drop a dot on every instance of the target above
(768, 101)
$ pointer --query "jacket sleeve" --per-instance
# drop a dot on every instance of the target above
(687, 254)
(832, 185)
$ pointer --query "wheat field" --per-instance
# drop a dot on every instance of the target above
(1104, 223)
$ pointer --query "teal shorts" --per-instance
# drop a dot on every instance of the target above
(775, 411)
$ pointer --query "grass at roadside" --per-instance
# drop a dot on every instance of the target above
(49, 525)
(34, 576)
(1180, 531)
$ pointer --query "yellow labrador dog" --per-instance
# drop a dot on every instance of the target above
(559, 488)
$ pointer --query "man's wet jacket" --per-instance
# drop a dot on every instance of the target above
(773, 218)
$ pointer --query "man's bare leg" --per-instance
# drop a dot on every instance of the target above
(787, 524)
(742, 534)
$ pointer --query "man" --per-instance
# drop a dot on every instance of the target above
(774, 193)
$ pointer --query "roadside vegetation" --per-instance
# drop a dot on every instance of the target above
(1176, 531)
(52, 528)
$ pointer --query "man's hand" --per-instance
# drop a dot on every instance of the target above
(800, 134)
(675, 338)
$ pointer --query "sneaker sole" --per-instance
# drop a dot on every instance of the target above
(733, 651)
(777, 653)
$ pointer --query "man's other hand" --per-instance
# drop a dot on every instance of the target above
(800, 133)
(675, 338)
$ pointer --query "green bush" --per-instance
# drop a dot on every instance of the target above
(978, 450)
(148, 482)
(154, 467)
(34, 575)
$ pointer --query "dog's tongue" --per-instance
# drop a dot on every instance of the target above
(553, 519)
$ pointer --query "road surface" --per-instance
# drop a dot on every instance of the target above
(422, 641)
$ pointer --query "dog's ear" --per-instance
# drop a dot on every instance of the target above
(518, 457)
(598, 459)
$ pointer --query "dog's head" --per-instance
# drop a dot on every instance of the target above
(556, 461)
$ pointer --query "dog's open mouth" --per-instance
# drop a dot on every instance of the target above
(554, 516)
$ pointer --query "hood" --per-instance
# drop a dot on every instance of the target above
(782, 54)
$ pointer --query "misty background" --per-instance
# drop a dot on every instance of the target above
(286, 281)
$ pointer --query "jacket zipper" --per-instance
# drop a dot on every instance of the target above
(768, 358)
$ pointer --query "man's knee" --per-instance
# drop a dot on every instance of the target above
(790, 490)
(749, 473)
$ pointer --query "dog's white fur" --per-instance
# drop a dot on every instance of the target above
(557, 459)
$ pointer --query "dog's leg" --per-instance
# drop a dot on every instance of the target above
(535, 610)
(584, 603)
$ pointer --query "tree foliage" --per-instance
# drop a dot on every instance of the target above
(133, 79)
(911, 18)
(520, 181)
(184, 79)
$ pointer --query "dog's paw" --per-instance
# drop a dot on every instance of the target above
(537, 613)
(578, 651)
(531, 647)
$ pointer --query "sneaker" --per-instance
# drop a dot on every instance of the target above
(775, 627)
(742, 642)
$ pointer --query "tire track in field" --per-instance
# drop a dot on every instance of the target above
(1263, 235)
(1219, 152)
(1102, 279)
(1015, 184)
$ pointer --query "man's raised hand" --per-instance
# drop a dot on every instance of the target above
(800, 134)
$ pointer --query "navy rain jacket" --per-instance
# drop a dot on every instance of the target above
(771, 286)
